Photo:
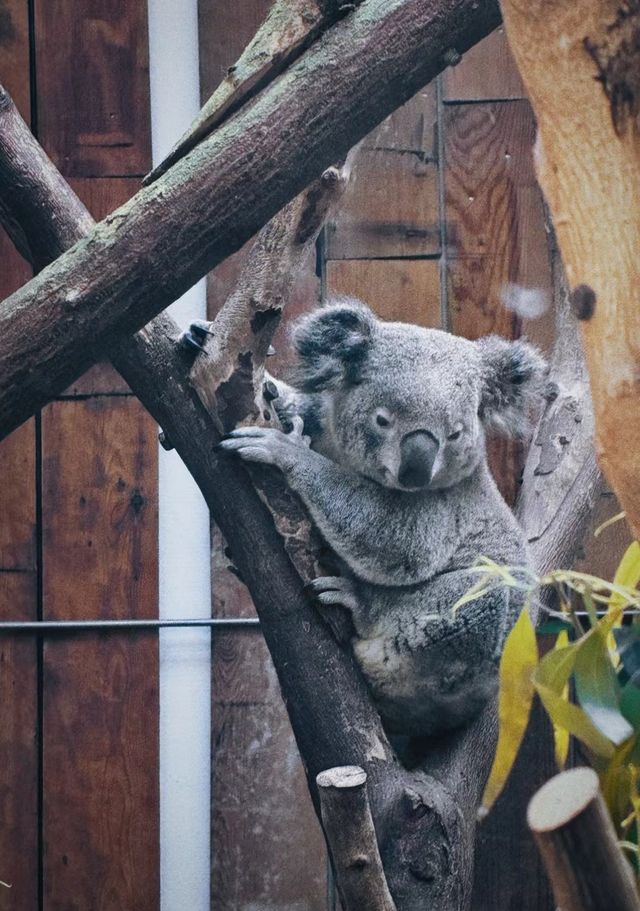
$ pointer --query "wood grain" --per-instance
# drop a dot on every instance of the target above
(390, 208)
(14, 50)
(18, 747)
(495, 235)
(225, 28)
(100, 711)
(486, 72)
(406, 290)
(18, 565)
(92, 84)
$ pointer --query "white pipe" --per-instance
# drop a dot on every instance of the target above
(185, 584)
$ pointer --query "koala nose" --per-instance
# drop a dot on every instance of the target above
(418, 452)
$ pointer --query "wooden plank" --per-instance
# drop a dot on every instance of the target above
(267, 846)
(495, 235)
(402, 289)
(100, 708)
(487, 71)
(93, 87)
(18, 747)
(225, 29)
(14, 52)
(18, 563)
(391, 208)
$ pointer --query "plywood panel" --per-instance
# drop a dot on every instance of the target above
(487, 71)
(405, 290)
(495, 234)
(100, 711)
(18, 500)
(225, 28)
(18, 747)
(18, 564)
(93, 88)
(14, 51)
(390, 208)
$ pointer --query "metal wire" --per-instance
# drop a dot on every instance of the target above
(73, 626)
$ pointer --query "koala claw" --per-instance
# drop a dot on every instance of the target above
(333, 590)
(196, 335)
(263, 444)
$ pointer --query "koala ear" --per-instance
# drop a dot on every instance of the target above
(332, 344)
(512, 380)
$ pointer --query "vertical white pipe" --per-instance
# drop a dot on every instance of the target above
(185, 585)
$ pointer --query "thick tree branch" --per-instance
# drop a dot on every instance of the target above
(146, 254)
(580, 63)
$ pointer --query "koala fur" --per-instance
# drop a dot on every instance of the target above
(396, 481)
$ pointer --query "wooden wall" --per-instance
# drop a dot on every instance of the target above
(443, 212)
(78, 516)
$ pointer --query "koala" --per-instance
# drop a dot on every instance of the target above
(396, 480)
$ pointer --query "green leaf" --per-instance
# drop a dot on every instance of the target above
(597, 689)
(519, 660)
(550, 681)
(627, 639)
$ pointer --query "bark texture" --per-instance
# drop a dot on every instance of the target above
(561, 478)
(152, 249)
(580, 63)
(348, 825)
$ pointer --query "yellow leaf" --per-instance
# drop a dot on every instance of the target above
(561, 737)
(627, 576)
(519, 660)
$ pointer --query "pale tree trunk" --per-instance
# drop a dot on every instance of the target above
(580, 62)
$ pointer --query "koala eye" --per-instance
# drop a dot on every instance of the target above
(381, 420)
(455, 435)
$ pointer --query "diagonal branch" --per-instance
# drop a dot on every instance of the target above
(153, 248)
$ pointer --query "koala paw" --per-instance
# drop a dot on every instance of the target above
(335, 598)
(266, 445)
(196, 335)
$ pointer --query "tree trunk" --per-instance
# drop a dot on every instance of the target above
(148, 252)
(580, 62)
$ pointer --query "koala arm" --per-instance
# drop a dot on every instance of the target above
(380, 534)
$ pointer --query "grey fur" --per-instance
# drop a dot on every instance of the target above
(406, 550)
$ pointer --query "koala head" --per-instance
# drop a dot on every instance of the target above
(407, 406)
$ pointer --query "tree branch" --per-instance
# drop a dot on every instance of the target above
(578, 843)
(561, 479)
(153, 248)
(348, 826)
